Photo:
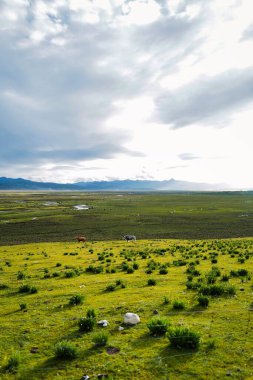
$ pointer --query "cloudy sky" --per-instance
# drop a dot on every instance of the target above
(139, 89)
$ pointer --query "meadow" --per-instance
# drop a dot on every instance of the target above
(51, 216)
(47, 288)
(193, 293)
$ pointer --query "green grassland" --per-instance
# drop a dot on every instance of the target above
(26, 217)
(31, 332)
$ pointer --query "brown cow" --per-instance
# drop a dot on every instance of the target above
(81, 238)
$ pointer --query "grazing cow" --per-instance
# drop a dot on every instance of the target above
(129, 238)
(81, 238)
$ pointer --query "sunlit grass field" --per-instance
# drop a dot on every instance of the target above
(51, 216)
(33, 322)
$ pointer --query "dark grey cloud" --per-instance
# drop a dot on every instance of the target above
(207, 100)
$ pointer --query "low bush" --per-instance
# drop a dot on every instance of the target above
(24, 289)
(70, 274)
(13, 363)
(225, 278)
(217, 290)
(203, 301)
(23, 306)
(178, 305)
(33, 290)
(65, 351)
(110, 287)
(86, 324)
(76, 299)
(163, 271)
(183, 338)
(151, 282)
(158, 326)
(100, 339)
(91, 313)
(3, 286)
(21, 275)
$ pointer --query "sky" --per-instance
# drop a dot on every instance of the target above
(127, 89)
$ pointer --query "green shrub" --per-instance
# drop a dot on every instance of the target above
(166, 300)
(86, 324)
(210, 345)
(225, 278)
(203, 301)
(217, 290)
(110, 287)
(158, 325)
(183, 338)
(178, 305)
(24, 289)
(91, 313)
(151, 282)
(163, 271)
(65, 350)
(20, 275)
(100, 339)
(3, 286)
(130, 270)
(33, 290)
(76, 299)
(13, 363)
(23, 306)
(70, 274)
(242, 272)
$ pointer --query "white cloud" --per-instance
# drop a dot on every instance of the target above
(81, 82)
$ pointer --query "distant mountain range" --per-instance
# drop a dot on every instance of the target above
(117, 185)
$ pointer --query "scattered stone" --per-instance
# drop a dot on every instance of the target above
(102, 376)
(131, 319)
(112, 350)
(103, 323)
(121, 328)
(85, 377)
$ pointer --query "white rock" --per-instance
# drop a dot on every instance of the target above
(103, 323)
(121, 328)
(131, 319)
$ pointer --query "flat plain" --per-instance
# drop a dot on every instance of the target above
(52, 216)
(50, 283)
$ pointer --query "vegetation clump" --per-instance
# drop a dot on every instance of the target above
(158, 325)
(86, 324)
(65, 351)
(183, 338)
(100, 339)
(203, 301)
(27, 289)
(217, 290)
(13, 363)
(76, 299)
(178, 305)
